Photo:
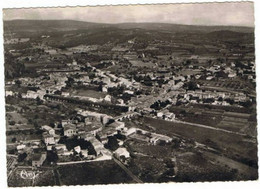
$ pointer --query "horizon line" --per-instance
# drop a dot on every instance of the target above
(147, 22)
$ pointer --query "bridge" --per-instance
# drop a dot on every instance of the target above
(127, 115)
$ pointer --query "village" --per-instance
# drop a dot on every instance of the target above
(131, 104)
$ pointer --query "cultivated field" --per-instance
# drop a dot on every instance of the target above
(104, 172)
(88, 93)
(232, 145)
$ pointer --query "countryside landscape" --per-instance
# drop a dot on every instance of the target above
(108, 103)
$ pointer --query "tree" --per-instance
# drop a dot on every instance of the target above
(36, 125)
(246, 104)
(191, 85)
(21, 157)
(57, 92)
(112, 143)
(52, 124)
(52, 156)
(230, 101)
(39, 101)
(14, 140)
(120, 136)
(188, 62)
(100, 86)
(18, 82)
(12, 122)
(208, 100)
(222, 74)
(220, 99)
(59, 125)
(91, 150)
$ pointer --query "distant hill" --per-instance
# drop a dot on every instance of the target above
(49, 25)
(67, 25)
(231, 35)
(180, 28)
(69, 33)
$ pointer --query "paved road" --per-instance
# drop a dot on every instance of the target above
(135, 178)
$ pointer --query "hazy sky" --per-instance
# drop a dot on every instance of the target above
(239, 13)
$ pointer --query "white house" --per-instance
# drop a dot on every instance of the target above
(48, 139)
(130, 131)
(9, 93)
(65, 94)
(122, 152)
(48, 129)
(108, 98)
(84, 153)
(69, 130)
(77, 149)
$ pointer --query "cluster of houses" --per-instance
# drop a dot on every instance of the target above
(55, 83)
(95, 128)
(88, 126)
(217, 98)
(146, 136)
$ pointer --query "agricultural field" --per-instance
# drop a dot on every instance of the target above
(227, 85)
(87, 102)
(188, 72)
(142, 148)
(234, 146)
(155, 163)
(103, 172)
(88, 93)
(36, 113)
(230, 118)
(43, 65)
(221, 108)
(15, 121)
(16, 136)
(148, 169)
(139, 63)
(195, 166)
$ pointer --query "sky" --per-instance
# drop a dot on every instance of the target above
(232, 13)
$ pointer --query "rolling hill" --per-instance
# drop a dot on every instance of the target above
(67, 25)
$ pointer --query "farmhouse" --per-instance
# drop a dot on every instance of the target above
(69, 130)
(48, 129)
(48, 139)
(122, 153)
(38, 159)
